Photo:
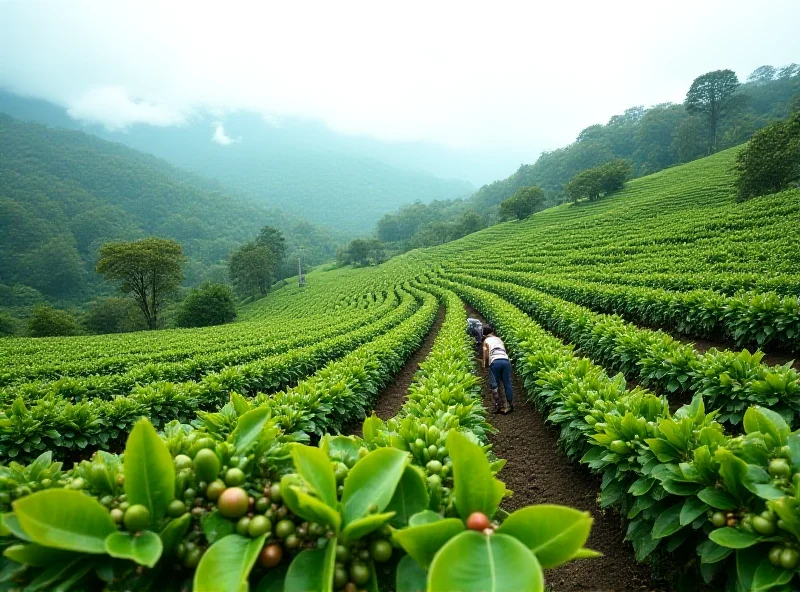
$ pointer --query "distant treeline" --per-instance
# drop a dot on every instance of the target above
(649, 139)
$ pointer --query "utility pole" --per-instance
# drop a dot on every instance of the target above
(301, 279)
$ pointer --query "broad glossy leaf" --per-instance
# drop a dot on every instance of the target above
(475, 562)
(312, 571)
(692, 508)
(371, 427)
(240, 404)
(422, 542)
(344, 448)
(424, 517)
(65, 519)
(717, 498)
(314, 510)
(767, 576)
(149, 470)
(766, 421)
(37, 555)
(227, 564)
(668, 522)
(371, 482)
(315, 468)
(144, 549)
(411, 576)
(363, 526)
(12, 525)
(410, 497)
(249, 428)
(476, 490)
(554, 533)
(174, 531)
(733, 538)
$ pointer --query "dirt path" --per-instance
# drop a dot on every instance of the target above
(392, 398)
(538, 473)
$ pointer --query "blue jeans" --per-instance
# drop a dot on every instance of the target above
(501, 372)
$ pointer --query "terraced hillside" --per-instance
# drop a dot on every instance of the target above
(627, 322)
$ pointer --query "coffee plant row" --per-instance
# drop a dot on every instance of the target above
(237, 503)
(728, 504)
(728, 381)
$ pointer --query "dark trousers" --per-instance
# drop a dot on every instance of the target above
(500, 371)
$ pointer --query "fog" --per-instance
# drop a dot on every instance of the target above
(512, 78)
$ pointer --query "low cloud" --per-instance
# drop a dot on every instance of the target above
(112, 107)
(220, 137)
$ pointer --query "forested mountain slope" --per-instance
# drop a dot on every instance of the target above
(295, 165)
(63, 193)
(650, 139)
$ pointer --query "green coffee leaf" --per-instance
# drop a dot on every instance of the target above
(227, 564)
(37, 555)
(314, 466)
(145, 548)
(249, 427)
(733, 538)
(371, 483)
(312, 570)
(476, 490)
(410, 497)
(554, 533)
(423, 541)
(65, 519)
(149, 471)
(475, 562)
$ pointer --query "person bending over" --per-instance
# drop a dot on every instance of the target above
(496, 357)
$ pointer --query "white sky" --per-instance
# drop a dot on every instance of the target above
(491, 74)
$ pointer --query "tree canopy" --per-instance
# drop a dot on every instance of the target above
(523, 203)
(599, 181)
(210, 304)
(712, 96)
(150, 270)
(254, 266)
(771, 160)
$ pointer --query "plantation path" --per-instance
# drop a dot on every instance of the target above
(392, 398)
(538, 473)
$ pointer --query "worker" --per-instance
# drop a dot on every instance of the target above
(495, 357)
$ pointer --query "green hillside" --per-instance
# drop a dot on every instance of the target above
(64, 193)
(298, 166)
(625, 321)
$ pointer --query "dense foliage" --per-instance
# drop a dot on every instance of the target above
(46, 321)
(651, 139)
(210, 304)
(522, 204)
(599, 181)
(771, 160)
(65, 193)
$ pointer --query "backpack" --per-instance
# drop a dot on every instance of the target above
(474, 327)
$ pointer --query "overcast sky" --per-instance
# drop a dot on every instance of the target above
(525, 75)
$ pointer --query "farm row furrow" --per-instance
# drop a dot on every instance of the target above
(729, 381)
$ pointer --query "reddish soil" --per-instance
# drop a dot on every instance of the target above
(392, 398)
(538, 473)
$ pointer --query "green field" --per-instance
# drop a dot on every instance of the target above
(654, 330)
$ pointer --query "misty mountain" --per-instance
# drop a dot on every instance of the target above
(63, 193)
(298, 165)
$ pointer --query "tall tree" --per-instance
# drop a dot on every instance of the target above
(150, 270)
(712, 95)
(254, 266)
